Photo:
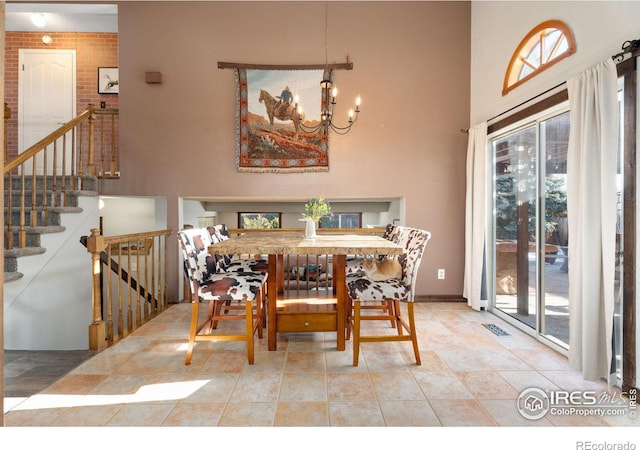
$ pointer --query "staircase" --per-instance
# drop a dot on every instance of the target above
(68, 158)
(47, 271)
(49, 220)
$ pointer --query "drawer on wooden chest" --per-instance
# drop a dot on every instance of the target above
(306, 322)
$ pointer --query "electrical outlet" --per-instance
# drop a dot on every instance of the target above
(440, 274)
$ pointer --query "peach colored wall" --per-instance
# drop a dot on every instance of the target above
(93, 50)
(411, 67)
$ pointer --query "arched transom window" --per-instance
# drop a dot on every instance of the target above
(545, 45)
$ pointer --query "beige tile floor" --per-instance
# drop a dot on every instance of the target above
(469, 377)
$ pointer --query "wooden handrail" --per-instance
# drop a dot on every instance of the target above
(46, 141)
(89, 115)
(54, 166)
(137, 293)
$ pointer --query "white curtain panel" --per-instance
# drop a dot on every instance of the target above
(591, 206)
(475, 215)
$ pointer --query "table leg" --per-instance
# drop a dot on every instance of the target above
(280, 274)
(272, 301)
(340, 287)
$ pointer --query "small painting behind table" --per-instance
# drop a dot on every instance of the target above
(274, 135)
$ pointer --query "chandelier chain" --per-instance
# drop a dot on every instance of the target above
(326, 35)
(328, 95)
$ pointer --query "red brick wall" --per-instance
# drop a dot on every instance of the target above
(93, 50)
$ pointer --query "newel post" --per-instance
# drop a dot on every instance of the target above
(91, 165)
(95, 245)
(7, 116)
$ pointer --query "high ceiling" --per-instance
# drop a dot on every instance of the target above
(79, 17)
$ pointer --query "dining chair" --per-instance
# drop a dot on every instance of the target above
(236, 263)
(231, 295)
(354, 267)
(362, 291)
(353, 263)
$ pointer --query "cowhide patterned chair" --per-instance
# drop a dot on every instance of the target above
(361, 290)
(354, 262)
(236, 263)
(354, 267)
(231, 295)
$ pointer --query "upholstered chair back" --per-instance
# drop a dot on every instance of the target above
(199, 263)
(400, 235)
(218, 234)
(221, 231)
(391, 232)
(414, 242)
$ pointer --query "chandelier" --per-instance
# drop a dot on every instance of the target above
(328, 97)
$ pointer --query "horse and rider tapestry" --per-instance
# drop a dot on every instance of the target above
(277, 121)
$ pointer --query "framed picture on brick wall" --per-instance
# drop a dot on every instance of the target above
(108, 80)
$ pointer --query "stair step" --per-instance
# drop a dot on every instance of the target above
(11, 258)
(88, 183)
(66, 209)
(53, 217)
(16, 200)
(33, 234)
(54, 209)
(71, 198)
(40, 230)
(12, 276)
(26, 251)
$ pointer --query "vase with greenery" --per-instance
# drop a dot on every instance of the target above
(314, 210)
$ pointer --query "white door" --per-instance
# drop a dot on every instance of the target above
(47, 95)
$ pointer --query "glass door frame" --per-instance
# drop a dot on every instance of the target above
(531, 120)
(630, 312)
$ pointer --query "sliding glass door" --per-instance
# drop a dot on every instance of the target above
(530, 226)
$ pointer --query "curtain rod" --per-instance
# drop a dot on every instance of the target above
(627, 47)
(335, 66)
(527, 101)
(466, 130)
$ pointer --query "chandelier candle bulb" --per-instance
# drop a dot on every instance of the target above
(328, 103)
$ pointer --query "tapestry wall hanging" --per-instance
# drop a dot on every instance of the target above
(271, 135)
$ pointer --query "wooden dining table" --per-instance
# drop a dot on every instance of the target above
(309, 313)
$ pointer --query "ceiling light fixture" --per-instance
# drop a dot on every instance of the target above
(328, 96)
(38, 19)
